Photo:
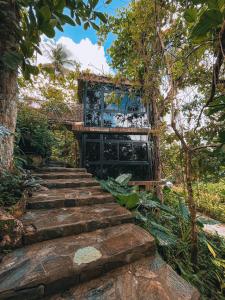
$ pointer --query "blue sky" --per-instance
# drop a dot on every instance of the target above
(78, 33)
(81, 45)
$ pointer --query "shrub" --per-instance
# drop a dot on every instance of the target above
(33, 134)
(170, 224)
(12, 186)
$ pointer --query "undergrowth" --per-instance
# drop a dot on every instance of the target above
(210, 198)
(12, 186)
(170, 224)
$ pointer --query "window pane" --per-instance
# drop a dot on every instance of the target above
(93, 118)
(110, 151)
(92, 151)
(93, 99)
(140, 152)
(125, 151)
(113, 120)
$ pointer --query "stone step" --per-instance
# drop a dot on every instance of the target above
(41, 225)
(60, 169)
(63, 175)
(70, 183)
(42, 269)
(68, 198)
(149, 278)
(55, 163)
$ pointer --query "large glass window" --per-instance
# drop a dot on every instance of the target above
(110, 106)
(113, 154)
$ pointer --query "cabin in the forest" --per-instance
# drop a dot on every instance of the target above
(114, 133)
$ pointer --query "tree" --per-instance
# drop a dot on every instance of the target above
(22, 22)
(59, 59)
(136, 55)
(173, 62)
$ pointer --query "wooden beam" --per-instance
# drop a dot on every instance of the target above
(83, 129)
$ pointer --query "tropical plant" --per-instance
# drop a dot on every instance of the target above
(34, 135)
(124, 194)
(12, 186)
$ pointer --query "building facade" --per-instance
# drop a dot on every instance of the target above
(114, 135)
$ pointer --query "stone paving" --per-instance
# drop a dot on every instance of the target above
(79, 244)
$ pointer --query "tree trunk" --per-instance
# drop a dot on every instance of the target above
(155, 123)
(191, 205)
(8, 84)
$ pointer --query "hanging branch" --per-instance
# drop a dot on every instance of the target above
(216, 72)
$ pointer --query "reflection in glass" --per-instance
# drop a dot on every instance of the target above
(140, 152)
(93, 98)
(93, 118)
(110, 151)
(125, 151)
(92, 151)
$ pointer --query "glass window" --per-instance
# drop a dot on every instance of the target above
(94, 96)
(140, 152)
(92, 151)
(110, 151)
(125, 151)
(93, 119)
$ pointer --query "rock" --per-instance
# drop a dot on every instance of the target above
(43, 188)
(11, 231)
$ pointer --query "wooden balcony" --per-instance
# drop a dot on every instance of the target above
(80, 128)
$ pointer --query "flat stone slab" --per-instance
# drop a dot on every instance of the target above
(145, 279)
(41, 225)
(62, 175)
(52, 266)
(61, 169)
(68, 198)
(70, 183)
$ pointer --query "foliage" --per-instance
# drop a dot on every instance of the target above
(210, 198)
(13, 184)
(66, 147)
(171, 226)
(125, 195)
(34, 135)
(26, 21)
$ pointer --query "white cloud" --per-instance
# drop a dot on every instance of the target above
(90, 56)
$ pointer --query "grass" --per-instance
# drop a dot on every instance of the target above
(209, 198)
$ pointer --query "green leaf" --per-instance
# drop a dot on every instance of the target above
(184, 211)
(162, 234)
(108, 1)
(129, 200)
(101, 16)
(124, 179)
(78, 20)
(45, 12)
(222, 137)
(86, 25)
(94, 26)
(12, 59)
(208, 21)
(48, 30)
(190, 15)
(93, 3)
(211, 250)
(66, 19)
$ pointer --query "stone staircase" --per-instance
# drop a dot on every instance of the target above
(80, 244)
